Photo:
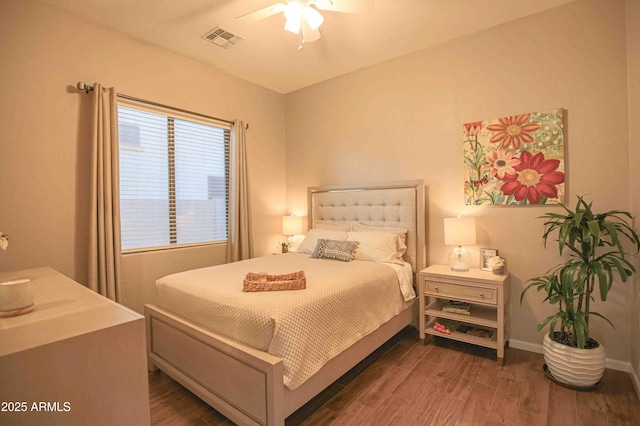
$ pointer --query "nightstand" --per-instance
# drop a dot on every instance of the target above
(488, 321)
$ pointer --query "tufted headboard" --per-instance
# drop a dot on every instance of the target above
(398, 204)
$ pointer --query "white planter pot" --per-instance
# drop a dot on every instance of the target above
(573, 366)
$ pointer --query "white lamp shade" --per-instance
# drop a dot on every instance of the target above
(459, 231)
(292, 225)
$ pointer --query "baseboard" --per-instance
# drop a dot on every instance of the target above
(525, 346)
(636, 380)
(613, 364)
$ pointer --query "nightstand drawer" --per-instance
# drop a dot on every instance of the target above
(479, 294)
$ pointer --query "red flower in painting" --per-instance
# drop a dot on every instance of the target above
(513, 130)
(472, 129)
(535, 177)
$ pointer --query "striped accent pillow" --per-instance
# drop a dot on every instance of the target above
(334, 249)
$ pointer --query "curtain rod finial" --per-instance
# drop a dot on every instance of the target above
(82, 86)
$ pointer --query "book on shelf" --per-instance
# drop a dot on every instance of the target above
(457, 307)
(470, 330)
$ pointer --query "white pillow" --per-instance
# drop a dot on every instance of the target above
(400, 232)
(376, 246)
(333, 226)
(311, 239)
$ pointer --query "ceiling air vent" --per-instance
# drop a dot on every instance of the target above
(223, 38)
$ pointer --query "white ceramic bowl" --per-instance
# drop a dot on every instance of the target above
(16, 294)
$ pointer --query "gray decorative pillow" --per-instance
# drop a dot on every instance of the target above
(334, 249)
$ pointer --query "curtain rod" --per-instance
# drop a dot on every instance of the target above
(88, 89)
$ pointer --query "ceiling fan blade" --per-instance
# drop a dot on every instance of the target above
(309, 35)
(346, 6)
(262, 13)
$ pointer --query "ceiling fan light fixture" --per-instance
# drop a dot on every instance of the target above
(296, 11)
(303, 17)
(293, 14)
(313, 17)
(293, 25)
(293, 10)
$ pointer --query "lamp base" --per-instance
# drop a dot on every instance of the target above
(460, 259)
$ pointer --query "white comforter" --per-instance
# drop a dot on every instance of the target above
(343, 302)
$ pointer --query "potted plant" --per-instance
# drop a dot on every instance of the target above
(597, 257)
(284, 245)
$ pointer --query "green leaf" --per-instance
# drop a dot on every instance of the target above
(586, 233)
(564, 233)
(603, 282)
(469, 163)
(582, 330)
(603, 317)
(544, 322)
(594, 228)
(547, 320)
(614, 236)
(621, 271)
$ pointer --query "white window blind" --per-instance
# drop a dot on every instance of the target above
(174, 178)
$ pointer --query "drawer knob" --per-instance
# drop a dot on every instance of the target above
(481, 294)
(435, 288)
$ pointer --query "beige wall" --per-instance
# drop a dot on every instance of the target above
(633, 66)
(44, 147)
(403, 120)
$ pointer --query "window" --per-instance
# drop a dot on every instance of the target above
(174, 186)
(128, 134)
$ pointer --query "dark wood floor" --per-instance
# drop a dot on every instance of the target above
(442, 383)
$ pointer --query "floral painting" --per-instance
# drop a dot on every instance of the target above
(516, 160)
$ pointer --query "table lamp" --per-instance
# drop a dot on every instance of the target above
(459, 231)
(292, 225)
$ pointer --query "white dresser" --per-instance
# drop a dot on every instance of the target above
(77, 359)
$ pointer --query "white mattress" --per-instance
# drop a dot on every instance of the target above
(343, 302)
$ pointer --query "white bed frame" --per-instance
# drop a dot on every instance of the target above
(245, 384)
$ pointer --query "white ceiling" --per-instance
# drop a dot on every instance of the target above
(269, 56)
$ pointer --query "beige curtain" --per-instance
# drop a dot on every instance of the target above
(239, 245)
(104, 237)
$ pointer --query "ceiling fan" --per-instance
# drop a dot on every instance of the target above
(303, 19)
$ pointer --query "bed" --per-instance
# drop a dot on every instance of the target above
(251, 376)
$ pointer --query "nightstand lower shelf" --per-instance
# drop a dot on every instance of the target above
(481, 315)
(489, 343)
